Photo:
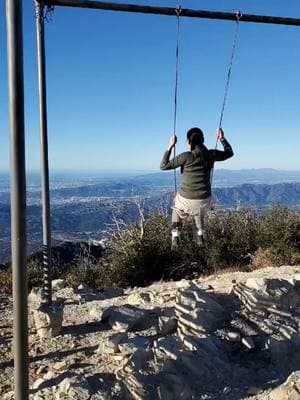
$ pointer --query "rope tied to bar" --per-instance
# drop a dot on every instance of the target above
(233, 52)
(49, 13)
(44, 11)
(178, 12)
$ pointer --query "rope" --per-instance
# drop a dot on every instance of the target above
(178, 11)
(233, 51)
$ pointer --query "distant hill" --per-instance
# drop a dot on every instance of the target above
(287, 194)
(227, 177)
(64, 187)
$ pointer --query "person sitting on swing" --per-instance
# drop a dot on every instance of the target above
(194, 198)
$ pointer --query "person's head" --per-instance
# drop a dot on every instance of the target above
(195, 137)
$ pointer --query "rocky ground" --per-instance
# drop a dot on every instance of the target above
(230, 336)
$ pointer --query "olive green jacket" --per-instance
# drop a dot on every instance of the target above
(196, 166)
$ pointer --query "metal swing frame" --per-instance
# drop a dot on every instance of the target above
(14, 18)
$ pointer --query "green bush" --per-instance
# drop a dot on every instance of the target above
(241, 239)
(279, 230)
(6, 282)
(232, 237)
(137, 256)
(34, 276)
(86, 274)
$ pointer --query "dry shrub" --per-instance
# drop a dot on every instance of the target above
(232, 238)
(34, 276)
(85, 270)
(5, 282)
(279, 230)
(140, 253)
(266, 258)
(235, 239)
(270, 257)
(137, 256)
(82, 274)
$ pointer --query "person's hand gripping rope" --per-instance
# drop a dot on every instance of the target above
(173, 141)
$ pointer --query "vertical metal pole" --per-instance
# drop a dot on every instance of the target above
(18, 194)
(47, 289)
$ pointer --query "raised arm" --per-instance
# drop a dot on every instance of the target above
(219, 155)
(178, 161)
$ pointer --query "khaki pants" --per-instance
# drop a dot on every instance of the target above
(198, 209)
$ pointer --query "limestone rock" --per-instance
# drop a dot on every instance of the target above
(129, 346)
(48, 320)
(57, 284)
(36, 384)
(44, 394)
(198, 312)
(261, 292)
(256, 284)
(9, 395)
(87, 294)
(124, 318)
(248, 342)
(138, 298)
(75, 387)
(144, 382)
(205, 357)
(169, 346)
(139, 376)
(230, 335)
(41, 369)
(290, 390)
(95, 311)
(49, 375)
(242, 325)
(269, 309)
(35, 298)
(82, 287)
(111, 344)
(62, 365)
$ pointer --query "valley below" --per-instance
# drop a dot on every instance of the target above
(86, 208)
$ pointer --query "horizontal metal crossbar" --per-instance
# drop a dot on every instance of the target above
(171, 11)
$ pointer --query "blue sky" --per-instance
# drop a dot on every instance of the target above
(111, 86)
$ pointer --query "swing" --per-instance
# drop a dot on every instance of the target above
(233, 52)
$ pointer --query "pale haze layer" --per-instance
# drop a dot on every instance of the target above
(111, 79)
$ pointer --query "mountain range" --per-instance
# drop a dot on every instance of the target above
(86, 209)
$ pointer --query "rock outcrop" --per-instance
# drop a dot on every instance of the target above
(231, 336)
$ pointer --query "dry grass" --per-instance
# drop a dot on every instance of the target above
(140, 254)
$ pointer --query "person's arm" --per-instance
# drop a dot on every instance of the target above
(219, 155)
(178, 161)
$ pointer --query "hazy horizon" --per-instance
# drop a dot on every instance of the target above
(136, 171)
